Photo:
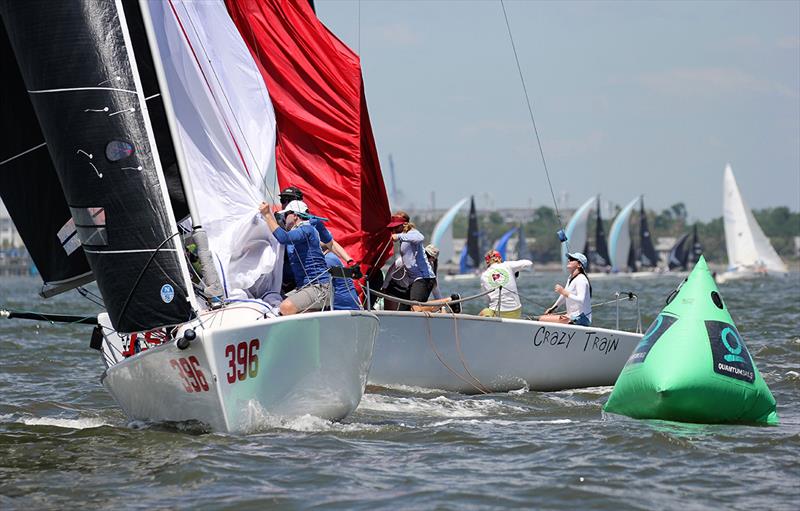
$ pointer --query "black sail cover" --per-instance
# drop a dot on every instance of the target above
(80, 76)
(30, 189)
(648, 251)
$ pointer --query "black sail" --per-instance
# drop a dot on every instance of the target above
(697, 247)
(473, 242)
(30, 189)
(679, 253)
(648, 256)
(78, 69)
(601, 245)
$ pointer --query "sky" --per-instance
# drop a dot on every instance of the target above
(629, 98)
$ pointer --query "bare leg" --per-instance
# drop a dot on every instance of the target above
(554, 318)
(288, 308)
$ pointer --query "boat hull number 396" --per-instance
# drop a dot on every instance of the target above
(189, 370)
(242, 360)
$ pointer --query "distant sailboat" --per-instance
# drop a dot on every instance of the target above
(749, 250)
(471, 254)
(599, 257)
(577, 231)
(443, 232)
(619, 243)
(647, 252)
(685, 252)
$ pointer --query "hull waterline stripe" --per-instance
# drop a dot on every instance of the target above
(23, 153)
(46, 91)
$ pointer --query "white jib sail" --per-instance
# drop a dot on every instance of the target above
(227, 132)
(747, 245)
(577, 231)
(619, 240)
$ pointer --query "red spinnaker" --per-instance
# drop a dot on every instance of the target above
(325, 144)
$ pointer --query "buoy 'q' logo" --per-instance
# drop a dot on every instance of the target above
(167, 293)
(728, 351)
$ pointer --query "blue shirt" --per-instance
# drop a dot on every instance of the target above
(344, 292)
(413, 254)
(305, 254)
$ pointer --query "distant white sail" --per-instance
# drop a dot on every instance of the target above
(442, 235)
(577, 231)
(619, 240)
(747, 245)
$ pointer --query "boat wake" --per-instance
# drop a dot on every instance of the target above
(86, 423)
(440, 406)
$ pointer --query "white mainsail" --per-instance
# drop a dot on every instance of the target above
(226, 128)
(577, 231)
(443, 232)
(747, 245)
(619, 240)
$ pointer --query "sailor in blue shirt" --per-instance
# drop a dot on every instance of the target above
(412, 252)
(345, 296)
(302, 242)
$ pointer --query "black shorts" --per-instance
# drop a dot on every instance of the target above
(419, 292)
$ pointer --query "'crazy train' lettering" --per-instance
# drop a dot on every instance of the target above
(544, 336)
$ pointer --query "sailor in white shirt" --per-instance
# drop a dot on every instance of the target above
(500, 279)
(577, 294)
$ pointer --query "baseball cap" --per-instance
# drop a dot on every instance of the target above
(291, 193)
(577, 256)
(490, 254)
(295, 206)
(398, 218)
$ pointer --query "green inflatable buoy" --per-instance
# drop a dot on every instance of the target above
(692, 365)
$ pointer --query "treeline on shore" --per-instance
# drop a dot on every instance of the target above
(779, 224)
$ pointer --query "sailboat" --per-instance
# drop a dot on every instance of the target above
(750, 252)
(469, 262)
(684, 252)
(623, 253)
(442, 236)
(577, 232)
(157, 137)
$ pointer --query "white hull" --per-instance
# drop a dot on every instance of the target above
(309, 364)
(470, 354)
(462, 276)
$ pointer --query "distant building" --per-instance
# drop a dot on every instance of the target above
(9, 237)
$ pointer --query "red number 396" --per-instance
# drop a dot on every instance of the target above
(242, 360)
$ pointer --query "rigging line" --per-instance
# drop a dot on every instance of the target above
(23, 153)
(441, 360)
(530, 111)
